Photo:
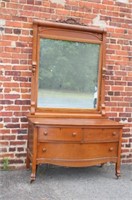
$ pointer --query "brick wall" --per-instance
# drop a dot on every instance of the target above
(16, 18)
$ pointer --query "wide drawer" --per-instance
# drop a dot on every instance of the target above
(101, 134)
(77, 151)
(59, 134)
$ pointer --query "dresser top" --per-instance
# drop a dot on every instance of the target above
(75, 121)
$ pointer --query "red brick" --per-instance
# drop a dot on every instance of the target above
(22, 102)
(6, 155)
(124, 114)
(38, 2)
(20, 149)
(21, 79)
(22, 137)
(124, 150)
(117, 88)
(15, 119)
(14, 161)
(7, 119)
(13, 108)
(30, 2)
(12, 96)
(13, 125)
(17, 143)
(6, 113)
(11, 84)
(4, 143)
(4, 131)
(12, 149)
(8, 137)
(20, 114)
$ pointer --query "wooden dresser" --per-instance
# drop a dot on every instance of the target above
(73, 142)
(68, 125)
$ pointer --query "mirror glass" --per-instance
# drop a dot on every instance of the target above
(68, 74)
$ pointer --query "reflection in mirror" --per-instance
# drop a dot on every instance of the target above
(68, 74)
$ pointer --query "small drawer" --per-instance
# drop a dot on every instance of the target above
(59, 134)
(46, 133)
(101, 134)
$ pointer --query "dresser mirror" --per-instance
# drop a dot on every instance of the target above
(68, 74)
(67, 69)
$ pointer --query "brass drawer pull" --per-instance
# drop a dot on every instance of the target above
(114, 133)
(111, 149)
(74, 134)
(45, 133)
(44, 149)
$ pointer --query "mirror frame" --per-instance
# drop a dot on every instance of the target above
(68, 32)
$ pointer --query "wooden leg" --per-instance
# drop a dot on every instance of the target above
(117, 169)
(34, 156)
(101, 165)
(33, 177)
(33, 174)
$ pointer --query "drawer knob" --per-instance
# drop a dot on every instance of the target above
(111, 149)
(45, 133)
(74, 134)
(44, 149)
(114, 133)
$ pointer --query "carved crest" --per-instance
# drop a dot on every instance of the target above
(70, 21)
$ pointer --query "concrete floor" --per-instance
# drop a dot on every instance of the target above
(58, 183)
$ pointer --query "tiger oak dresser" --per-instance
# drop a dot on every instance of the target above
(68, 125)
(73, 142)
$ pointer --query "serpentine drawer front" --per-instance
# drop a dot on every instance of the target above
(76, 144)
(76, 151)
